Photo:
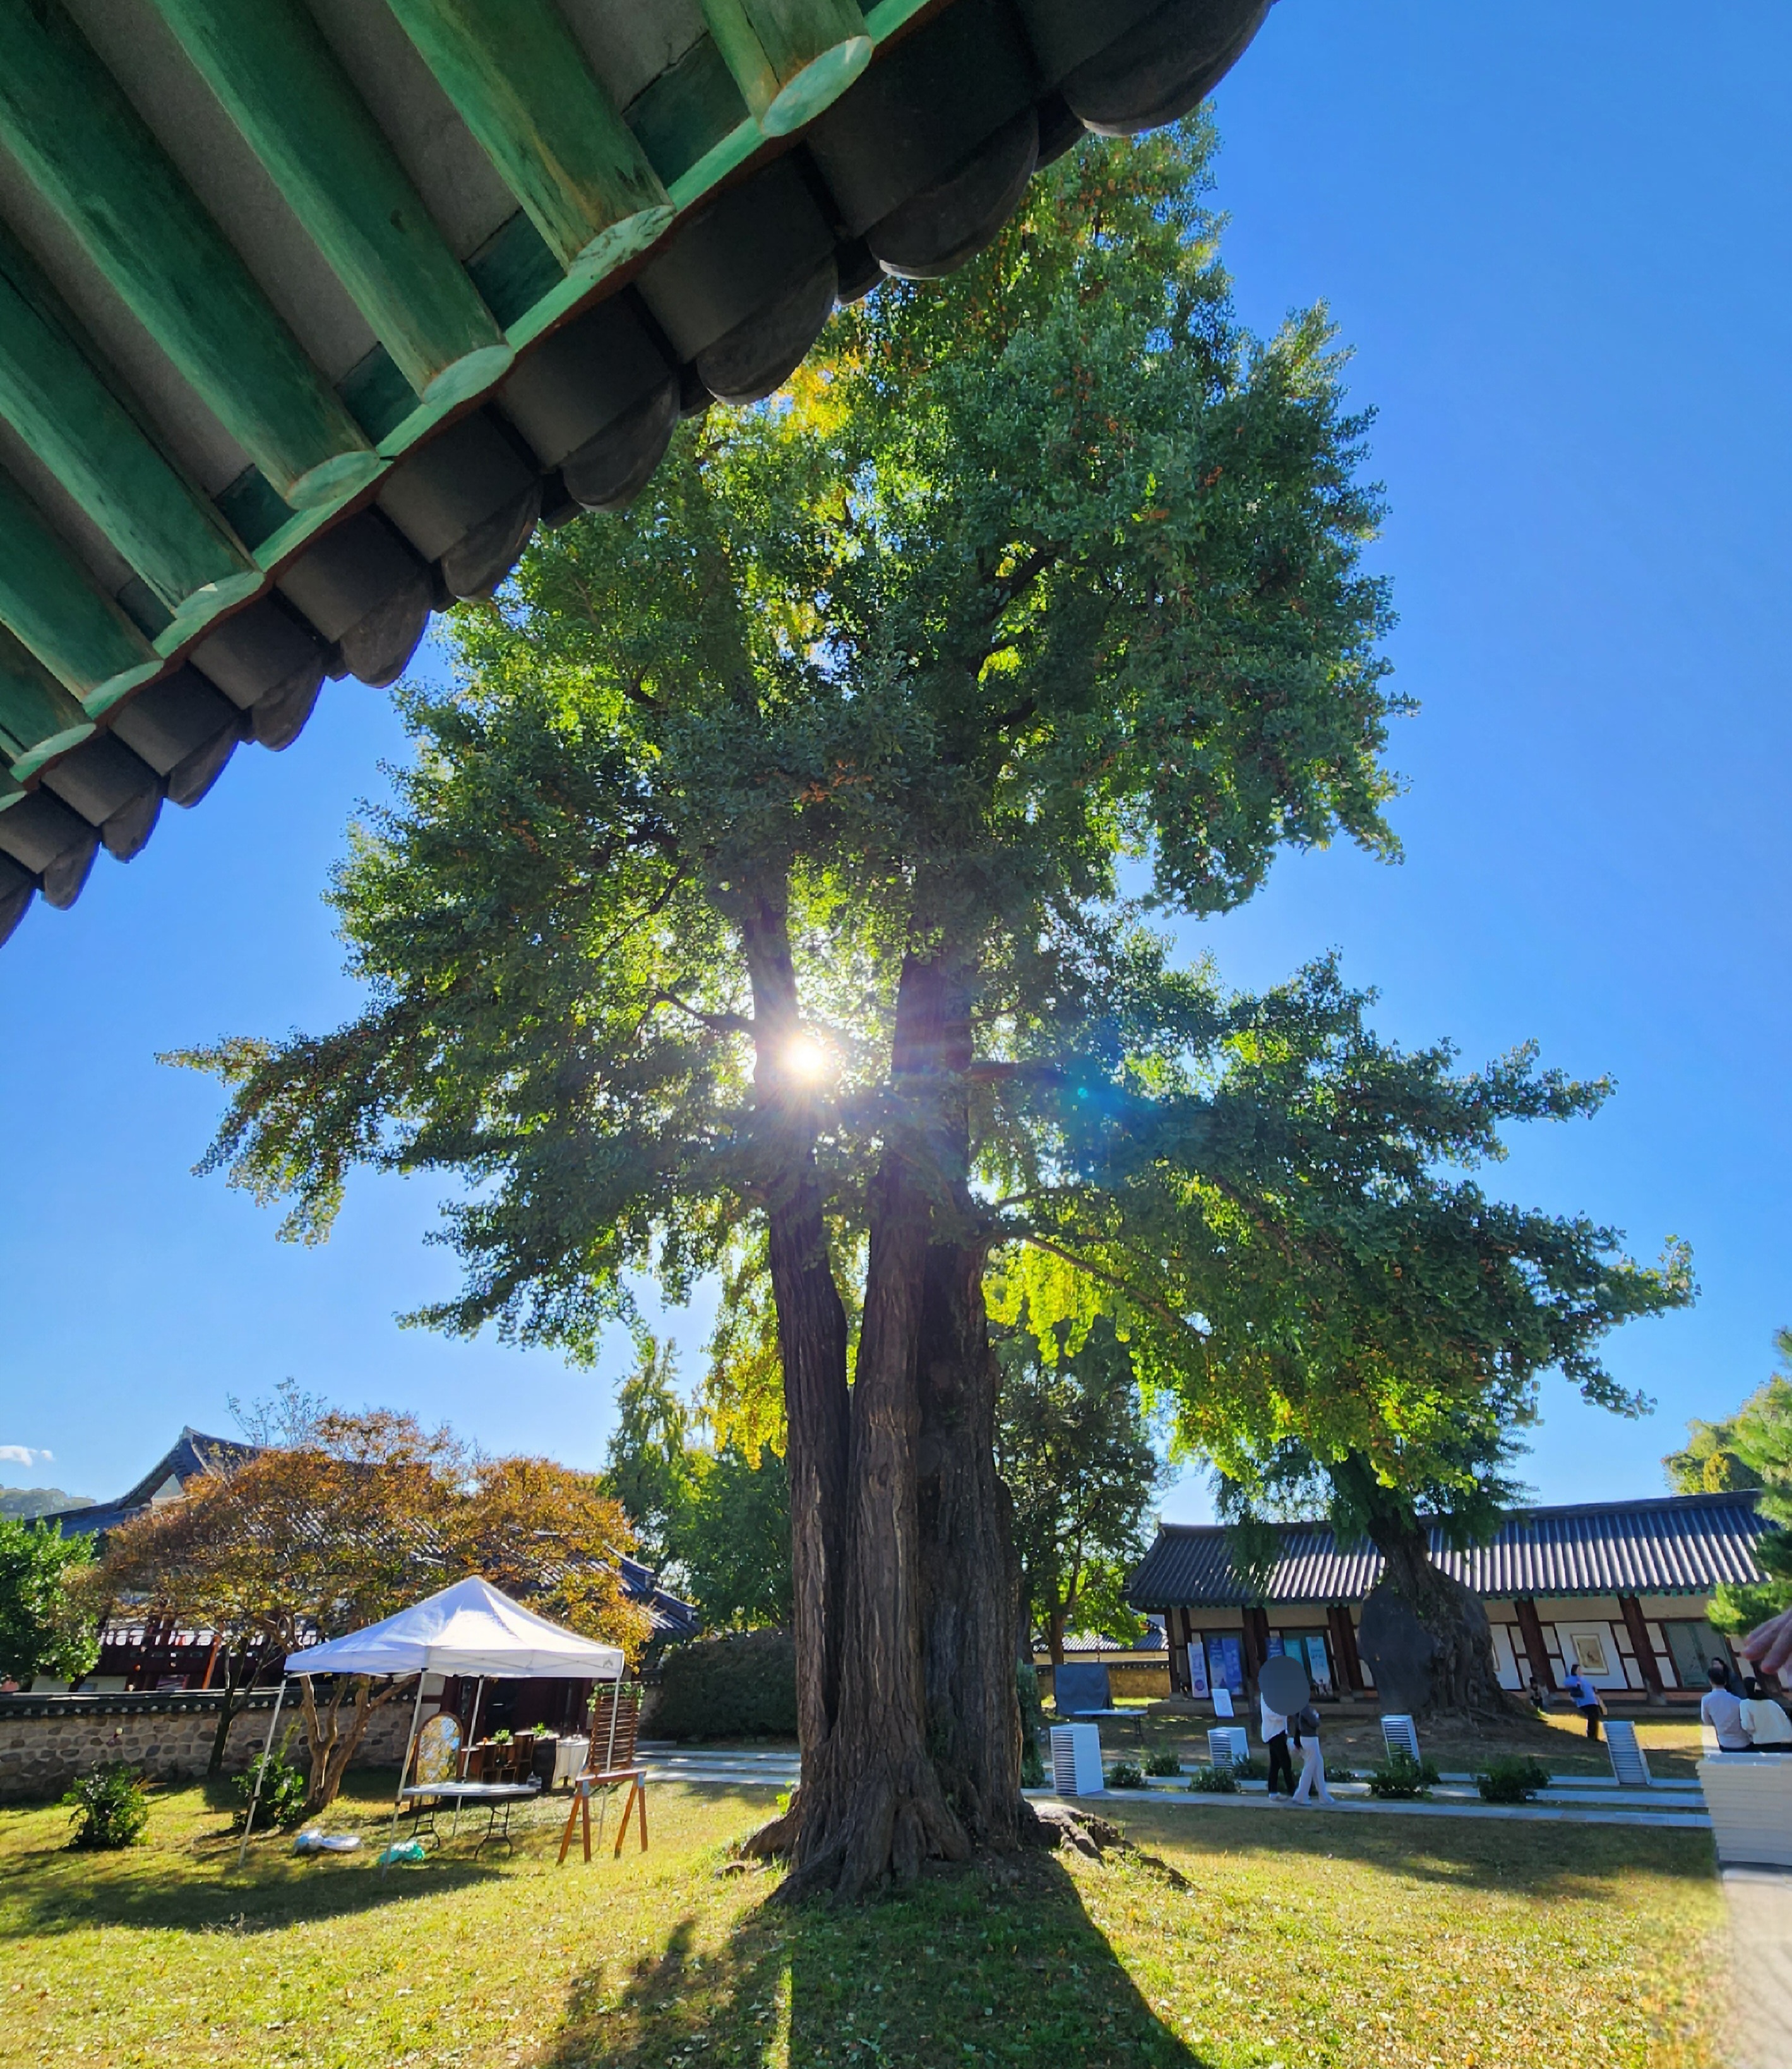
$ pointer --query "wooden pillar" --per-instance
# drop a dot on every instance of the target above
(88, 153)
(282, 88)
(1175, 1634)
(1530, 1628)
(1637, 1625)
(789, 58)
(521, 86)
(1342, 1634)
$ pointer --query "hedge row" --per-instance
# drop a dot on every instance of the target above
(737, 1687)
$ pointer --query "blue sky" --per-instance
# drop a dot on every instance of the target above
(1557, 243)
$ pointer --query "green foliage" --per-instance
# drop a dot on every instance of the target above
(47, 1625)
(742, 1686)
(1515, 1778)
(1075, 1451)
(1163, 1762)
(1251, 1769)
(1038, 573)
(716, 1523)
(1400, 1777)
(108, 1808)
(1035, 611)
(1752, 1449)
(648, 1467)
(732, 1543)
(284, 1788)
(1126, 1774)
(1205, 1781)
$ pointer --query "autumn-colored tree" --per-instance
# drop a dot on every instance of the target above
(536, 1528)
(311, 1541)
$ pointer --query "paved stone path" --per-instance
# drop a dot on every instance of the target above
(1760, 1903)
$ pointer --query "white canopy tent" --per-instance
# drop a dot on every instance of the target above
(469, 1628)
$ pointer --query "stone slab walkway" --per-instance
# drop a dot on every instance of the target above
(1760, 1904)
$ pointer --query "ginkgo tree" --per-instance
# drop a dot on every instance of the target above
(773, 892)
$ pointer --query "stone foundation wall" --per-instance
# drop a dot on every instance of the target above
(46, 1742)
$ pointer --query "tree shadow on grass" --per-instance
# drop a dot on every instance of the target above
(71, 1892)
(997, 1963)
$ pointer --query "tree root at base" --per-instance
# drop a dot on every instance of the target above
(1046, 1827)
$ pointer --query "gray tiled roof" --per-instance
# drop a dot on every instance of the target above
(1675, 1545)
(192, 1455)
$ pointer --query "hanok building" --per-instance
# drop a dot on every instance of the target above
(146, 1652)
(1622, 1589)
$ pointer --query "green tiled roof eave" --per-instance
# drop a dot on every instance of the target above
(550, 228)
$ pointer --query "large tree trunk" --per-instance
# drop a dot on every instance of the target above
(971, 1582)
(1425, 1635)
(904, 1579)
(812, 1326)
(874, 1809)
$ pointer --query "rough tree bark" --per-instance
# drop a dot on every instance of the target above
(1461, 1674)
(905, 1588)
(873, 1806)
(811, 1325)
(971, 1582)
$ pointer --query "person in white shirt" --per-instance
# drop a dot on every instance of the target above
(1766, 1724)
(1275, 1740)
(1723, 1711)
(1311, 1787)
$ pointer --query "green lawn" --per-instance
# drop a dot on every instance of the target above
(1298, 1941)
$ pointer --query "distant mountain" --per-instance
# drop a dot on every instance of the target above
(39, 1501)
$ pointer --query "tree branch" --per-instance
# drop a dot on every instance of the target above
(1095, 1272)
(718, 1023)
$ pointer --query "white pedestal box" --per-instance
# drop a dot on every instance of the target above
(1076, 1760)
(1399, 1734)
(1227, 1744)
(1749, 1797)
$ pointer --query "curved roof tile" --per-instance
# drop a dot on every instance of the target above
(1674, 1544)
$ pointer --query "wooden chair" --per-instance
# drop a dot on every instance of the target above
(610, 1765)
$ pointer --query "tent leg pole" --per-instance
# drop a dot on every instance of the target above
(472, 1733)
(398, 1798)
(261, 1772)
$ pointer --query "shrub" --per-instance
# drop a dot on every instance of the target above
(1163, 1762)
(108, 1808)
(1123, 1774)
(1213, 1781)
(741, 1686)
(284, 1788)
(1251, 1769)
(1400, 1777)
(1516, 1779)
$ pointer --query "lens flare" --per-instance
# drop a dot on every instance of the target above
(805, 1059)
